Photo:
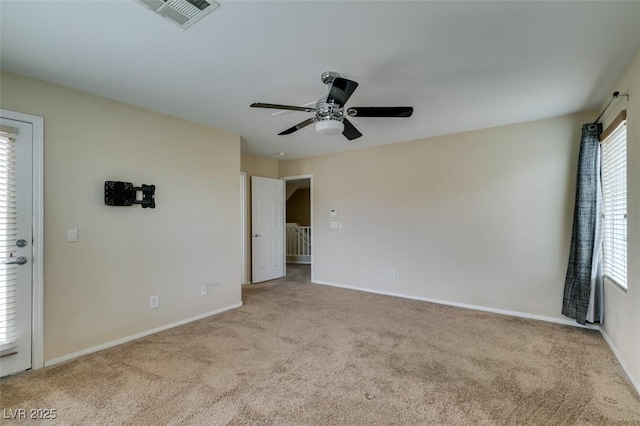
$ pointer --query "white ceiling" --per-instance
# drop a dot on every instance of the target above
(461, 65)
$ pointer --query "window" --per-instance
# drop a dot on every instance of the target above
(614, 192)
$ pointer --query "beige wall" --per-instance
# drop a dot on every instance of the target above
(97, 290)
(254, 166)
(480, 218)
(299, 207)
(259, 166)
(624, 334)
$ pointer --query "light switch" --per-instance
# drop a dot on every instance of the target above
(334, 224)
(72, 235)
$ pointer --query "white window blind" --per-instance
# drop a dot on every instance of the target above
(8, 230)
(614, 192)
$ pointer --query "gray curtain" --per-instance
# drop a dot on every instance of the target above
(583, 287)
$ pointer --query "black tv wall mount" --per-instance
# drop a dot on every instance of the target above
(125, 194)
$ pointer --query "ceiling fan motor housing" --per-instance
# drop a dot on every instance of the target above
(328, 111)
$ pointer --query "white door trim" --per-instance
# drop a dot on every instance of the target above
(310, 177)
(37, 332)
(243, 226)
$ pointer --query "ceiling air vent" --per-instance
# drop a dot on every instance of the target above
(181, 12)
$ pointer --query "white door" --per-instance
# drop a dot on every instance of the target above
(267, 229)
(16, 241)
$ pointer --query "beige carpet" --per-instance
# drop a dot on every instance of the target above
(299, 353)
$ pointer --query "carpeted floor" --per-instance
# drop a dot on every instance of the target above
(303, 354)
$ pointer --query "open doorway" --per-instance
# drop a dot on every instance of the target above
(299, 222)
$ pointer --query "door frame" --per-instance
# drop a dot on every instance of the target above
(243, 227)
(37, 266)
(310, 177)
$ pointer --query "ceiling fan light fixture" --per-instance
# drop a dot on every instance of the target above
(329, 127)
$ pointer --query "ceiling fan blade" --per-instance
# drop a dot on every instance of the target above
(298, 126)
(286, 107)
(380, 111)
(341, 90)
(350, 132)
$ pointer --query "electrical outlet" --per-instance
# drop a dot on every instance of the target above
(154, 301)
(392, 273)
(204, 290)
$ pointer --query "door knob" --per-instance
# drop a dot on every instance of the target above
(19, 261)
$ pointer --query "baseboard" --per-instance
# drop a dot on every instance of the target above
(607, 339)
(93, 349)
(463, 305)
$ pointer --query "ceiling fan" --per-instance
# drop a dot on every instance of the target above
(329, 113)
